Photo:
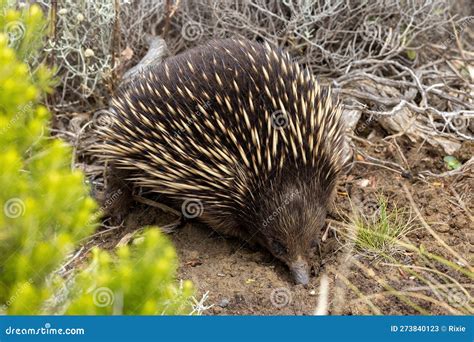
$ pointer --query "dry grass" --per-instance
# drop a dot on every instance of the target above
(379, 247)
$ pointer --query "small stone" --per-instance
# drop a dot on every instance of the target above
(441, 227)
(193, 262)
(193, 255)
(407, 174)
(470, 237)
(89, 53)
(239, 298)
(220, 274)
(312, 293)
(224, 303)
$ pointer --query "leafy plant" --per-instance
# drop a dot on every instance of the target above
(45, 208)
(139, 281)
(452, 163)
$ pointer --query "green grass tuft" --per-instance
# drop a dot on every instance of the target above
(379, 235)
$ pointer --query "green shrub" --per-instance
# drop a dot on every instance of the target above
(138, 281)
(24, 29)
(45, 207)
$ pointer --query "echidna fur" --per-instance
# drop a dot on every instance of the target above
(239, 128)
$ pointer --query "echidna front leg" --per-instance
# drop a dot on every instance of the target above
(121, 200)
(118, 197)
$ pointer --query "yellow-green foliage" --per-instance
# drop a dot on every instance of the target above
(45, 208)
(138, 281)
(23, 28)
(44, 205)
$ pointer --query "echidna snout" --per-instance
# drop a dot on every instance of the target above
(300, 271)
(293, 215)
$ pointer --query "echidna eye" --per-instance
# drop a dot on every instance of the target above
(278, 248)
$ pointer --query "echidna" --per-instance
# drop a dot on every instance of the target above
(239, 129)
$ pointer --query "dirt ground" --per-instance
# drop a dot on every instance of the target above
(241, 280)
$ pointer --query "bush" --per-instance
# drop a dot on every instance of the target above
(45, 206)
(138, 281)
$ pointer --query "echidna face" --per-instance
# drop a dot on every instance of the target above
(293, 221)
